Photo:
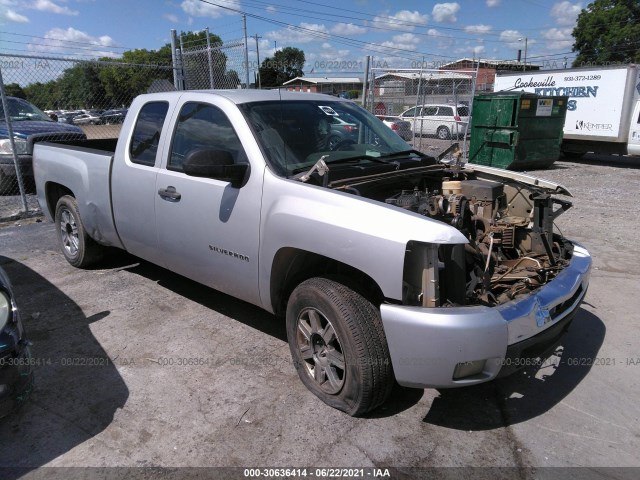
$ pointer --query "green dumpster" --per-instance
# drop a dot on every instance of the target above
(516, 130)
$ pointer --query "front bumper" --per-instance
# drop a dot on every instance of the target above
(431, 347)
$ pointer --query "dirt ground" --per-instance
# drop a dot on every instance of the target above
(140, 367)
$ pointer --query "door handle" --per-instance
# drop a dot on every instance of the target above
(170, 193)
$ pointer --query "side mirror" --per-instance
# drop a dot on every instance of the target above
(216, 164)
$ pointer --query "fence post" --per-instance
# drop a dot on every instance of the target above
(211, 84)
(176, 60)
(246, 49)
(366, 81)
(7, 118)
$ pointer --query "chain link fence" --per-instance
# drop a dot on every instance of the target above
(59, 99)
(56, 99)
(429, 108)
(214, 65)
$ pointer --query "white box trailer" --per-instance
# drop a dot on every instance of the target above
(603, 112)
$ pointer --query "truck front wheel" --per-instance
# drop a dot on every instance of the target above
(338, 346)
(78, 248)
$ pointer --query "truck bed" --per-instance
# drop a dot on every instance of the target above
(83, 168)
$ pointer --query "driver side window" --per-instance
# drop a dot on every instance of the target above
(203, 126)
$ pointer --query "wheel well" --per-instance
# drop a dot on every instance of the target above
(53, 193)
(292, 266)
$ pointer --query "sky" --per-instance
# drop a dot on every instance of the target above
(335, 35)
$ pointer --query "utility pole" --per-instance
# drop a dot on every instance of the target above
(246, 48)
(258, 61)
(524, 66)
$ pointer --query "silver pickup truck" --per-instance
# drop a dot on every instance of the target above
(386, 264)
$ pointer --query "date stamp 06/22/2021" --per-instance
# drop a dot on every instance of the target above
(169, 361)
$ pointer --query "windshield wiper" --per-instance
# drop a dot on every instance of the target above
(351, 159)
(357, 158)
(405, 153)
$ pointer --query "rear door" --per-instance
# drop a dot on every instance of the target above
(634, 131)
(134, 180)
(208, 230)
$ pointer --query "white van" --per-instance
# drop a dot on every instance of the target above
(443, 121)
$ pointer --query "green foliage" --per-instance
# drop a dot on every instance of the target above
(285, 65)
(14, 90)
(608, 31)
(354, 93)
(45, 95)
(111, 83)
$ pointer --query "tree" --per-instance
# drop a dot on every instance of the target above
(608, 31)
(201, 66)
(134, 73)
(14, 90)
(285, 65)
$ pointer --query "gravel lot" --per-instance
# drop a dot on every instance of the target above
(137, 405)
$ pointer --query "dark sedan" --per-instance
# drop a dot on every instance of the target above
(16, 363)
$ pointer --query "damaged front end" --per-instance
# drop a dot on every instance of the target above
(509, 292)
(512, 248)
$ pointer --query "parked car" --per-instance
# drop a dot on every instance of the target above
(86, 119)
(443, 121)
(66, 118)
(401, 127)
(343, 130)
(16, 365)
(30, 125)
(116, 116)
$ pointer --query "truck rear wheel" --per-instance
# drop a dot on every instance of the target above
(78, 248)
(338, 346)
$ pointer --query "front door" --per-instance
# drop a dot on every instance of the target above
(207, 229)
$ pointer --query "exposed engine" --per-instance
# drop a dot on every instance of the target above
(511, 249)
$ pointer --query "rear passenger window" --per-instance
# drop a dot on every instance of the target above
(146, 133)
(203, 126)
(445, 112)
(429, 111)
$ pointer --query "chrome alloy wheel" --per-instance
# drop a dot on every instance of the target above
(321, 350)
(69, 232)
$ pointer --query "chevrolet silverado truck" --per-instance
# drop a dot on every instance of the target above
(386, 264)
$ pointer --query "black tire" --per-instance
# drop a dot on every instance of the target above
(338, 346)
(77, 246)
(443, 133)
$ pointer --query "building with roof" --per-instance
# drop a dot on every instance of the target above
(328, 85)
(487, 69)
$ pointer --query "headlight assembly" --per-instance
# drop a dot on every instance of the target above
(5, 309)
(20, 144)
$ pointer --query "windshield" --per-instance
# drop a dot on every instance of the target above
(295, 134)
(20, 110)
